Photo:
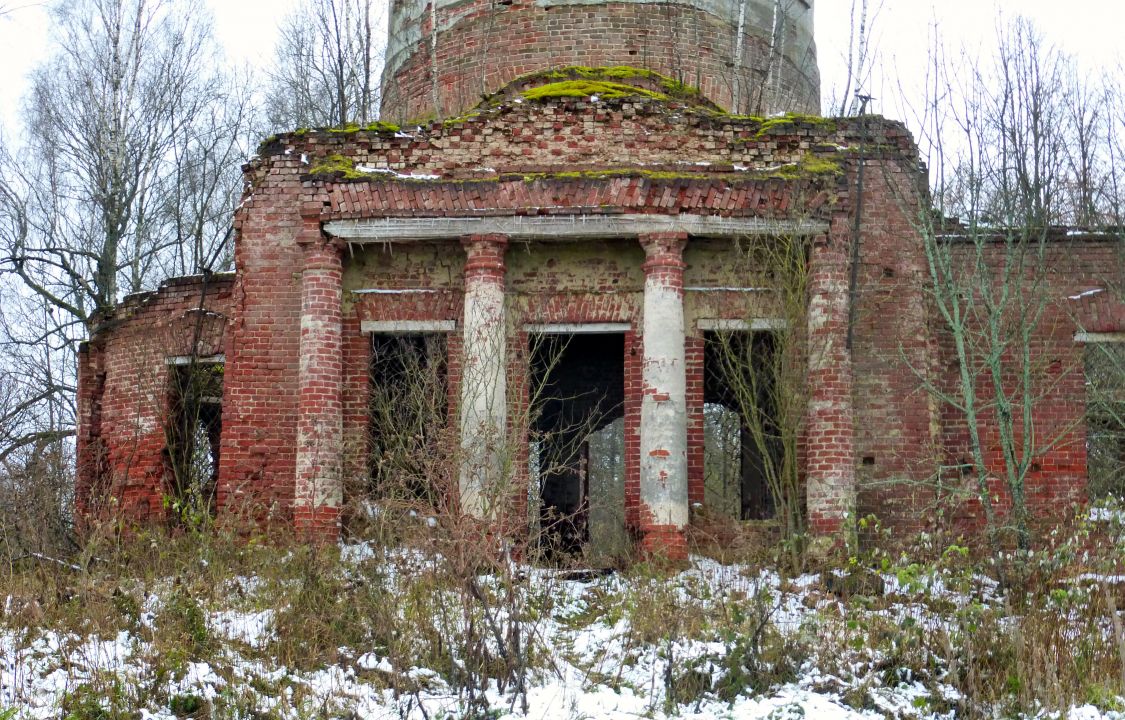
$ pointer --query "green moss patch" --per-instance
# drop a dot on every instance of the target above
(615, 73)
(377, 126)
(768, 125)
(588, 88)
(808, 166)
(338, 166)
(611, 82)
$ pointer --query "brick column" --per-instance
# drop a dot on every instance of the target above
(484, 462)
(89, 449)
(319, 489)
(664, 468)
(829, 432)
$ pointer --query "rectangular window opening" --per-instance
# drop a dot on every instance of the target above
(408, 403)
(192, 436)
(1105, 419)
(742, 457)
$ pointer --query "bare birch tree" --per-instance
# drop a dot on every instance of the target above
(128, 174)
(328, 61)
(127, 97)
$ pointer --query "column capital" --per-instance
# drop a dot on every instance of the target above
(320, 252)
(310, 231)
(485, 256)
(498, 239)
(663, 250)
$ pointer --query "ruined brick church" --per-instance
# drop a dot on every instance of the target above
(579, 175)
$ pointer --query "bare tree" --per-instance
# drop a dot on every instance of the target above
(860, 59)
(764, 378)
(128, 174)
(329, 57)
(108, 118)
(1012, 152)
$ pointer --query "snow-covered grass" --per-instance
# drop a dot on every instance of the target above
(196, 627)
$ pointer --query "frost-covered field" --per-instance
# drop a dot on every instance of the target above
(710, 641)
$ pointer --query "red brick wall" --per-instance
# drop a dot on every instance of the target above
(256, 476)
(1057, 481)
(124, 392)
(475, 155)
(893, 347)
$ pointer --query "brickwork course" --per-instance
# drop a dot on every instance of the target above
(554, 212)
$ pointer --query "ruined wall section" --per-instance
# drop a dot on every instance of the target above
(1080, 272)
(567, 135)
(893, 349)
(258, 457)
(124, 392)
(749, 56)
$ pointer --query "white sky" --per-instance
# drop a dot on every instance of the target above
(1088, 29)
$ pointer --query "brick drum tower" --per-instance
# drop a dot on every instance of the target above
(552, 222)
(749, 56)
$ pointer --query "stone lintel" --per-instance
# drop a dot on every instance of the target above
(564, 227)
(404, 327)
(577, 328)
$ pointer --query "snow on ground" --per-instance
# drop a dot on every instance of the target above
(594, 669)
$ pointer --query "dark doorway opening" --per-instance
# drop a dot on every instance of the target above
(739, 405)
(408, 416)
(192, 438)
(577, 440)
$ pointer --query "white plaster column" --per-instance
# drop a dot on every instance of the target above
(663, 430)
(484, 416)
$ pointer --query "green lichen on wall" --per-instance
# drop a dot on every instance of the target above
(609, 83)
(461, 118)
(808, 166)
(768, 125)
(616, 73)
(268, 144)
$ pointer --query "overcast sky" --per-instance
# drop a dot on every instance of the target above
(1089, 30)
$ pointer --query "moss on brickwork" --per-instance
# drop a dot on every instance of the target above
(608, 83)
(616, 73)
(790, 119)
(337, 166)
(377, 126)
(264, 147)
(588, 88)
(808, 166)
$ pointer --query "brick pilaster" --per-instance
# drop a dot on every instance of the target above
(319, 490)
(830, 435)
(88, 446)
